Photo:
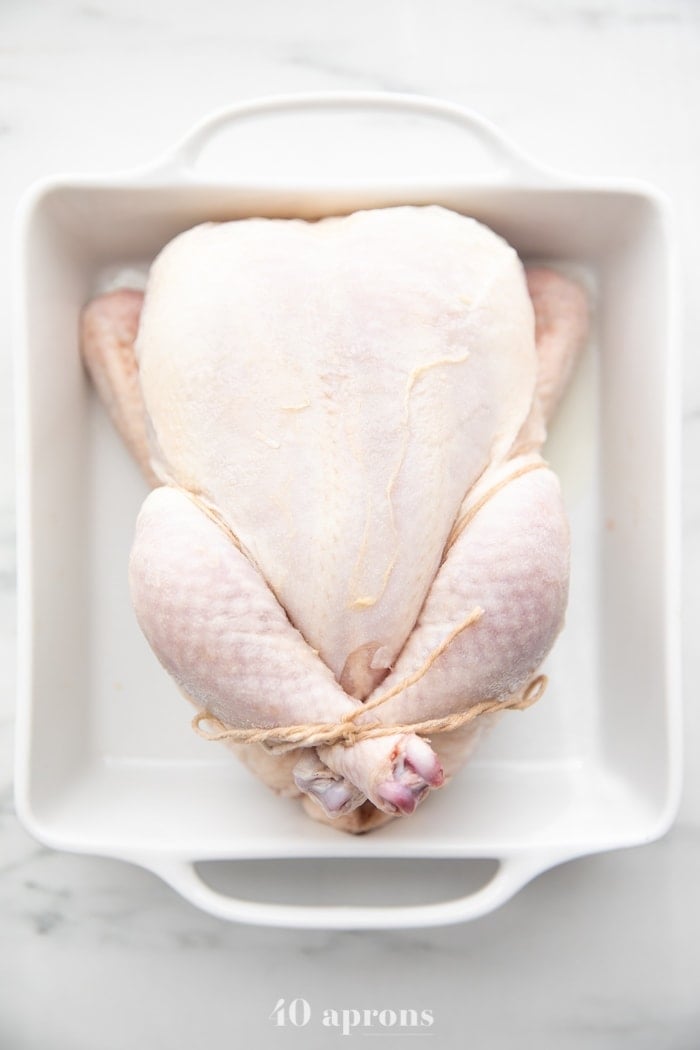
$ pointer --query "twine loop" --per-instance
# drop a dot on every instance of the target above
(348, 732)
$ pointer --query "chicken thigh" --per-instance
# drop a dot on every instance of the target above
(353, 533)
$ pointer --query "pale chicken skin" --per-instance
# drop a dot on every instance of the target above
(343, 422)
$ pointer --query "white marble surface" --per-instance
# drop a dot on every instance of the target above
(602, 952)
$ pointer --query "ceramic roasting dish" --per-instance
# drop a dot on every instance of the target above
(106, 760)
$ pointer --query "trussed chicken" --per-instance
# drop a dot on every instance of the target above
(351, 520)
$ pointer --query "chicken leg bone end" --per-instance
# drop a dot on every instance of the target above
(336, 795)
(403, 768)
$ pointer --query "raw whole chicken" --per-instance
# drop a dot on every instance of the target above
(350, 524)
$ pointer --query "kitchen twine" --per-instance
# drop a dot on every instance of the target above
(347, 731)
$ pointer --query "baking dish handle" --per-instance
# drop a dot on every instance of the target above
(511, 875)
(509, 160)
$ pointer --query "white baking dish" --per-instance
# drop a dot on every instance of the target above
(106, 760)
